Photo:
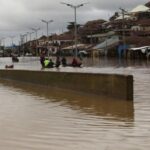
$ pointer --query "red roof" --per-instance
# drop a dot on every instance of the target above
(94, 26)
(64, 37)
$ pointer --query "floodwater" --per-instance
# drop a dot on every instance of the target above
(37, 118)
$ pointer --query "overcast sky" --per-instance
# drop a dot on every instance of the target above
(18, 16)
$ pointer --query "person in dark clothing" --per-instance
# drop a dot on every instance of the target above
(51, 64)
(64, 62)
(57, 62)
(42, 59)
(15, 59)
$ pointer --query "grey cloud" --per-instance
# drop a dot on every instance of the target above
(19, 15)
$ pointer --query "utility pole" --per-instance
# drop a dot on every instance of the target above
(30, 33)
(106, 50)
(27, 35)
(22, 43)
(123, 28)
(47, 23)
(12, 42)
(23, 38)
(75, 23)
(36, 30)
(2, 42)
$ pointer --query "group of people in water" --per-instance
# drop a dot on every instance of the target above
(48, 62)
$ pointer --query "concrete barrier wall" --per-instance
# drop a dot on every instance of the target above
(115, 86)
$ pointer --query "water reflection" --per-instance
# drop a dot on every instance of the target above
(88, 104)
(113, 62)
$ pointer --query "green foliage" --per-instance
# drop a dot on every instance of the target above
(71, 26)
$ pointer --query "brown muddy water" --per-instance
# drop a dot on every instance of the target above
(40, 118)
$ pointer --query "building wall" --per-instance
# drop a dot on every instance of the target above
(136, 28)
(146, 28)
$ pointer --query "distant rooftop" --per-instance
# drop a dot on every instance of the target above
(121, 17)
(140, 8)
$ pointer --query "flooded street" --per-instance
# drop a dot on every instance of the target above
(40, 118)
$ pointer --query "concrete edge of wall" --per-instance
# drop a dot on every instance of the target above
(111, 85)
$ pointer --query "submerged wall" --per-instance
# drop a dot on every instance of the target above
(112, 85)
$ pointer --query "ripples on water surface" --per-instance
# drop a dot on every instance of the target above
(35, 118)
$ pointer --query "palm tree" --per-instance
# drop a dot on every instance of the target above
(71, 26)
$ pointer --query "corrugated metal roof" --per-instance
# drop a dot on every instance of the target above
(107, 42)
(140, 8)
(73, 46)
(121, 17)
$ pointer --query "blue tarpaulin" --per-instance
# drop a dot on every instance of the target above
(121, 49)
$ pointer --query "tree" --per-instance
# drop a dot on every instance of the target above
(71, 25)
